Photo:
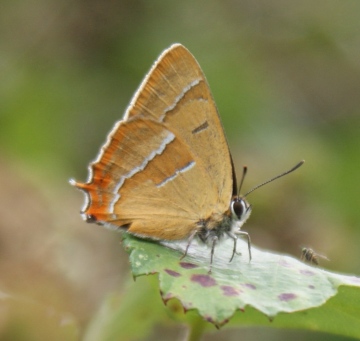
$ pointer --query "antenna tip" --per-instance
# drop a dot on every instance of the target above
(297, 166)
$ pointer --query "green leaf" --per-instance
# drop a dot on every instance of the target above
(271, 285)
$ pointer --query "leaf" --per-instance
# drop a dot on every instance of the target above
(270, 284)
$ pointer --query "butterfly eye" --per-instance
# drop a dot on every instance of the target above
(238, 208)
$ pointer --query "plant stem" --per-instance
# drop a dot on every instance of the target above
(196, 329)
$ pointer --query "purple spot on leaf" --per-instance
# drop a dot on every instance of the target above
(188, 305)
(204, 280)
(311, 286)
(307, 272)
(230, 291)
(167, 297)
(172, 273)
(186, 265)
(209, 319)
(287, 296)
(284, 263)
(249, 286)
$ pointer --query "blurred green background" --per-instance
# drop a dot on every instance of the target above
(286, 79)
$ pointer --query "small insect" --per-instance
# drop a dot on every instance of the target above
(309, 255)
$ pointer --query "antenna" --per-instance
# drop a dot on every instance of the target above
(242, 179)
(272, 179)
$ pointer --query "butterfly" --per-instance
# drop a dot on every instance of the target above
(166, 172)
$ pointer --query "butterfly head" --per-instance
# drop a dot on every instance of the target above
(240, 210)
(239, 207)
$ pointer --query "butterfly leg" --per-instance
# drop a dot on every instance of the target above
(214, 241)
(191, 238)
(234, 238)
(243, 233)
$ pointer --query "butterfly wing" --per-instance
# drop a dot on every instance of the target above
(165, 166)
(176, 92)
